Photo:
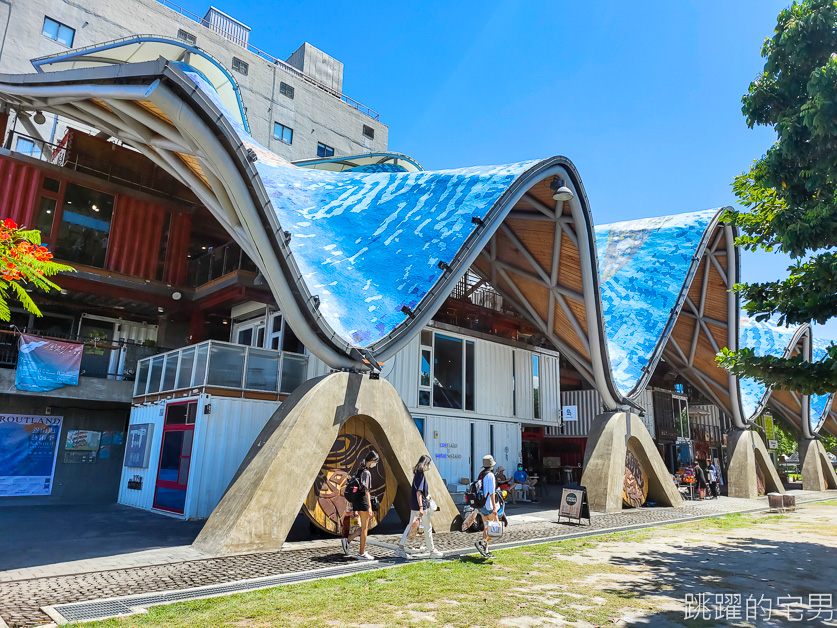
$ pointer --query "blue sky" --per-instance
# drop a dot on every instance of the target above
(645, 99)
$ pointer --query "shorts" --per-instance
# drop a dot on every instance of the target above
(486, 511)
(361, 505)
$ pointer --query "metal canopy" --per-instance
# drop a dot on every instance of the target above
(324, 240)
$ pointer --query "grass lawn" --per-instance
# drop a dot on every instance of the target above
(593, 581)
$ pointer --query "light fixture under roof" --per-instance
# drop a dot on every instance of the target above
(560, 191)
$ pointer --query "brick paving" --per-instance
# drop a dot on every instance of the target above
(21, 600)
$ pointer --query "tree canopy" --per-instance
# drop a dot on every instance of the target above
(23, 260)
(791, 192)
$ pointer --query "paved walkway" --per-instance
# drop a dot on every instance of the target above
(24, 592)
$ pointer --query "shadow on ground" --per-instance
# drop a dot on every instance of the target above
(773, 568)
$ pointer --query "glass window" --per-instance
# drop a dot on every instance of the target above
(142, 377)
(46, 214)
(186, 36)
(170, 375)
(240, 66)
(324, 150)
(176, 414)
(284, 133)
(58, 32)
(294, 372)
(25, 146)
(156, 374)
(369, 132)
(536, 387)
(425, 368)
(290, 342)
(52, 185)
(184, 371)
(469, 375)
(226, 366)
(85, 226)
(286, 90)
(200, 365)
(447, 371)
(245, 336)
(514, 389)
(681, 417)
(424, 397)
(262, 370)
(275, 335)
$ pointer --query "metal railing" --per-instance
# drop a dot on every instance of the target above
(218, 262)
(58, 155)
(103, 359)
(221, 365)
(278, 62)
(471, 289)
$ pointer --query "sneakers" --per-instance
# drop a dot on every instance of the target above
(436, 554)
(365, 556)
(400, 552)
(482, 548)
(345, 544)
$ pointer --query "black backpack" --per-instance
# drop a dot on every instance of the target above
(474, 495)
(353, 489)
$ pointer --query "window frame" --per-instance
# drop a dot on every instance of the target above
(59, 215)
(281, 136)
(57, 37)
(240, 66)
(325, 150)
(465, 341)
(286, 90)
(536, 389)
(371, 134)
(187, 37)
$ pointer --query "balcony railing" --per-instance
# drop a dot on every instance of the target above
(219, 364)
(103, 359)
(218, 262)
(472, 289)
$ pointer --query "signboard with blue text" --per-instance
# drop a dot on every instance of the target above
(44, 365)
(28, 451)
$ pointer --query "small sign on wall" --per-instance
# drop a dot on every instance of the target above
(569, 413)
(772, 444)
(138, 446)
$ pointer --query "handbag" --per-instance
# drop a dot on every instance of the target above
(494, 529)
(431, 505)
(375, 503)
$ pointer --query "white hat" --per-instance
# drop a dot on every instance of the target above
(488, 461)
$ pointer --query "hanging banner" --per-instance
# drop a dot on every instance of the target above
(28, 450)
(44, 365)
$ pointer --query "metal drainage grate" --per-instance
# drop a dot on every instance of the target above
(94, 610)
(86, 611)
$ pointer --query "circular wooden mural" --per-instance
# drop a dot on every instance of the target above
(635, 487)
(325, 504)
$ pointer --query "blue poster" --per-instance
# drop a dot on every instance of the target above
(28, 451)
(44, 365)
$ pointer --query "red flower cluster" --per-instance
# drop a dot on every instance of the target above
(16, 252)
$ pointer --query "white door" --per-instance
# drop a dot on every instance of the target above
(480, 445)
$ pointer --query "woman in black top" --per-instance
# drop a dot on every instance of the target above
(363, 506)
(419, 510)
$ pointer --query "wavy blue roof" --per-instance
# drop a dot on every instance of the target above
(764, 338)
(820, 404)
(646, 262)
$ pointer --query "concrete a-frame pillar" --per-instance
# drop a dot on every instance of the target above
(817, 472)
(265, 496)
(748, 450)
(604, 462)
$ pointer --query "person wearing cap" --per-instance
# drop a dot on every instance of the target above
(502, 480)
(489, 509)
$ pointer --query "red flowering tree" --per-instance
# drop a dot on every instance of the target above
(23, 260)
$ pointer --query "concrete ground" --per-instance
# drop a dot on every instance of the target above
(116, 551)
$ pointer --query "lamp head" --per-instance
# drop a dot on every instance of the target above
(39, 117)
(560, 191)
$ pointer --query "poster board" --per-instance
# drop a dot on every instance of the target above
(28, 452)
(82, 440)
(138, 445)
(574, 504)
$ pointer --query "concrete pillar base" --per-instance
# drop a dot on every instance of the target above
(817, 472)
(610, 437)
(748, 450)
(265, 496)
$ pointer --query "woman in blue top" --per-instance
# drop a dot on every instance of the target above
(419, 510)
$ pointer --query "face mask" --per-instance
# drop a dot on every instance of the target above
(374, 463)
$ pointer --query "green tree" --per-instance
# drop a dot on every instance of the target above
(23, 260)
(791, 192)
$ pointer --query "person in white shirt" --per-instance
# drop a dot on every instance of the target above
(489, 511)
